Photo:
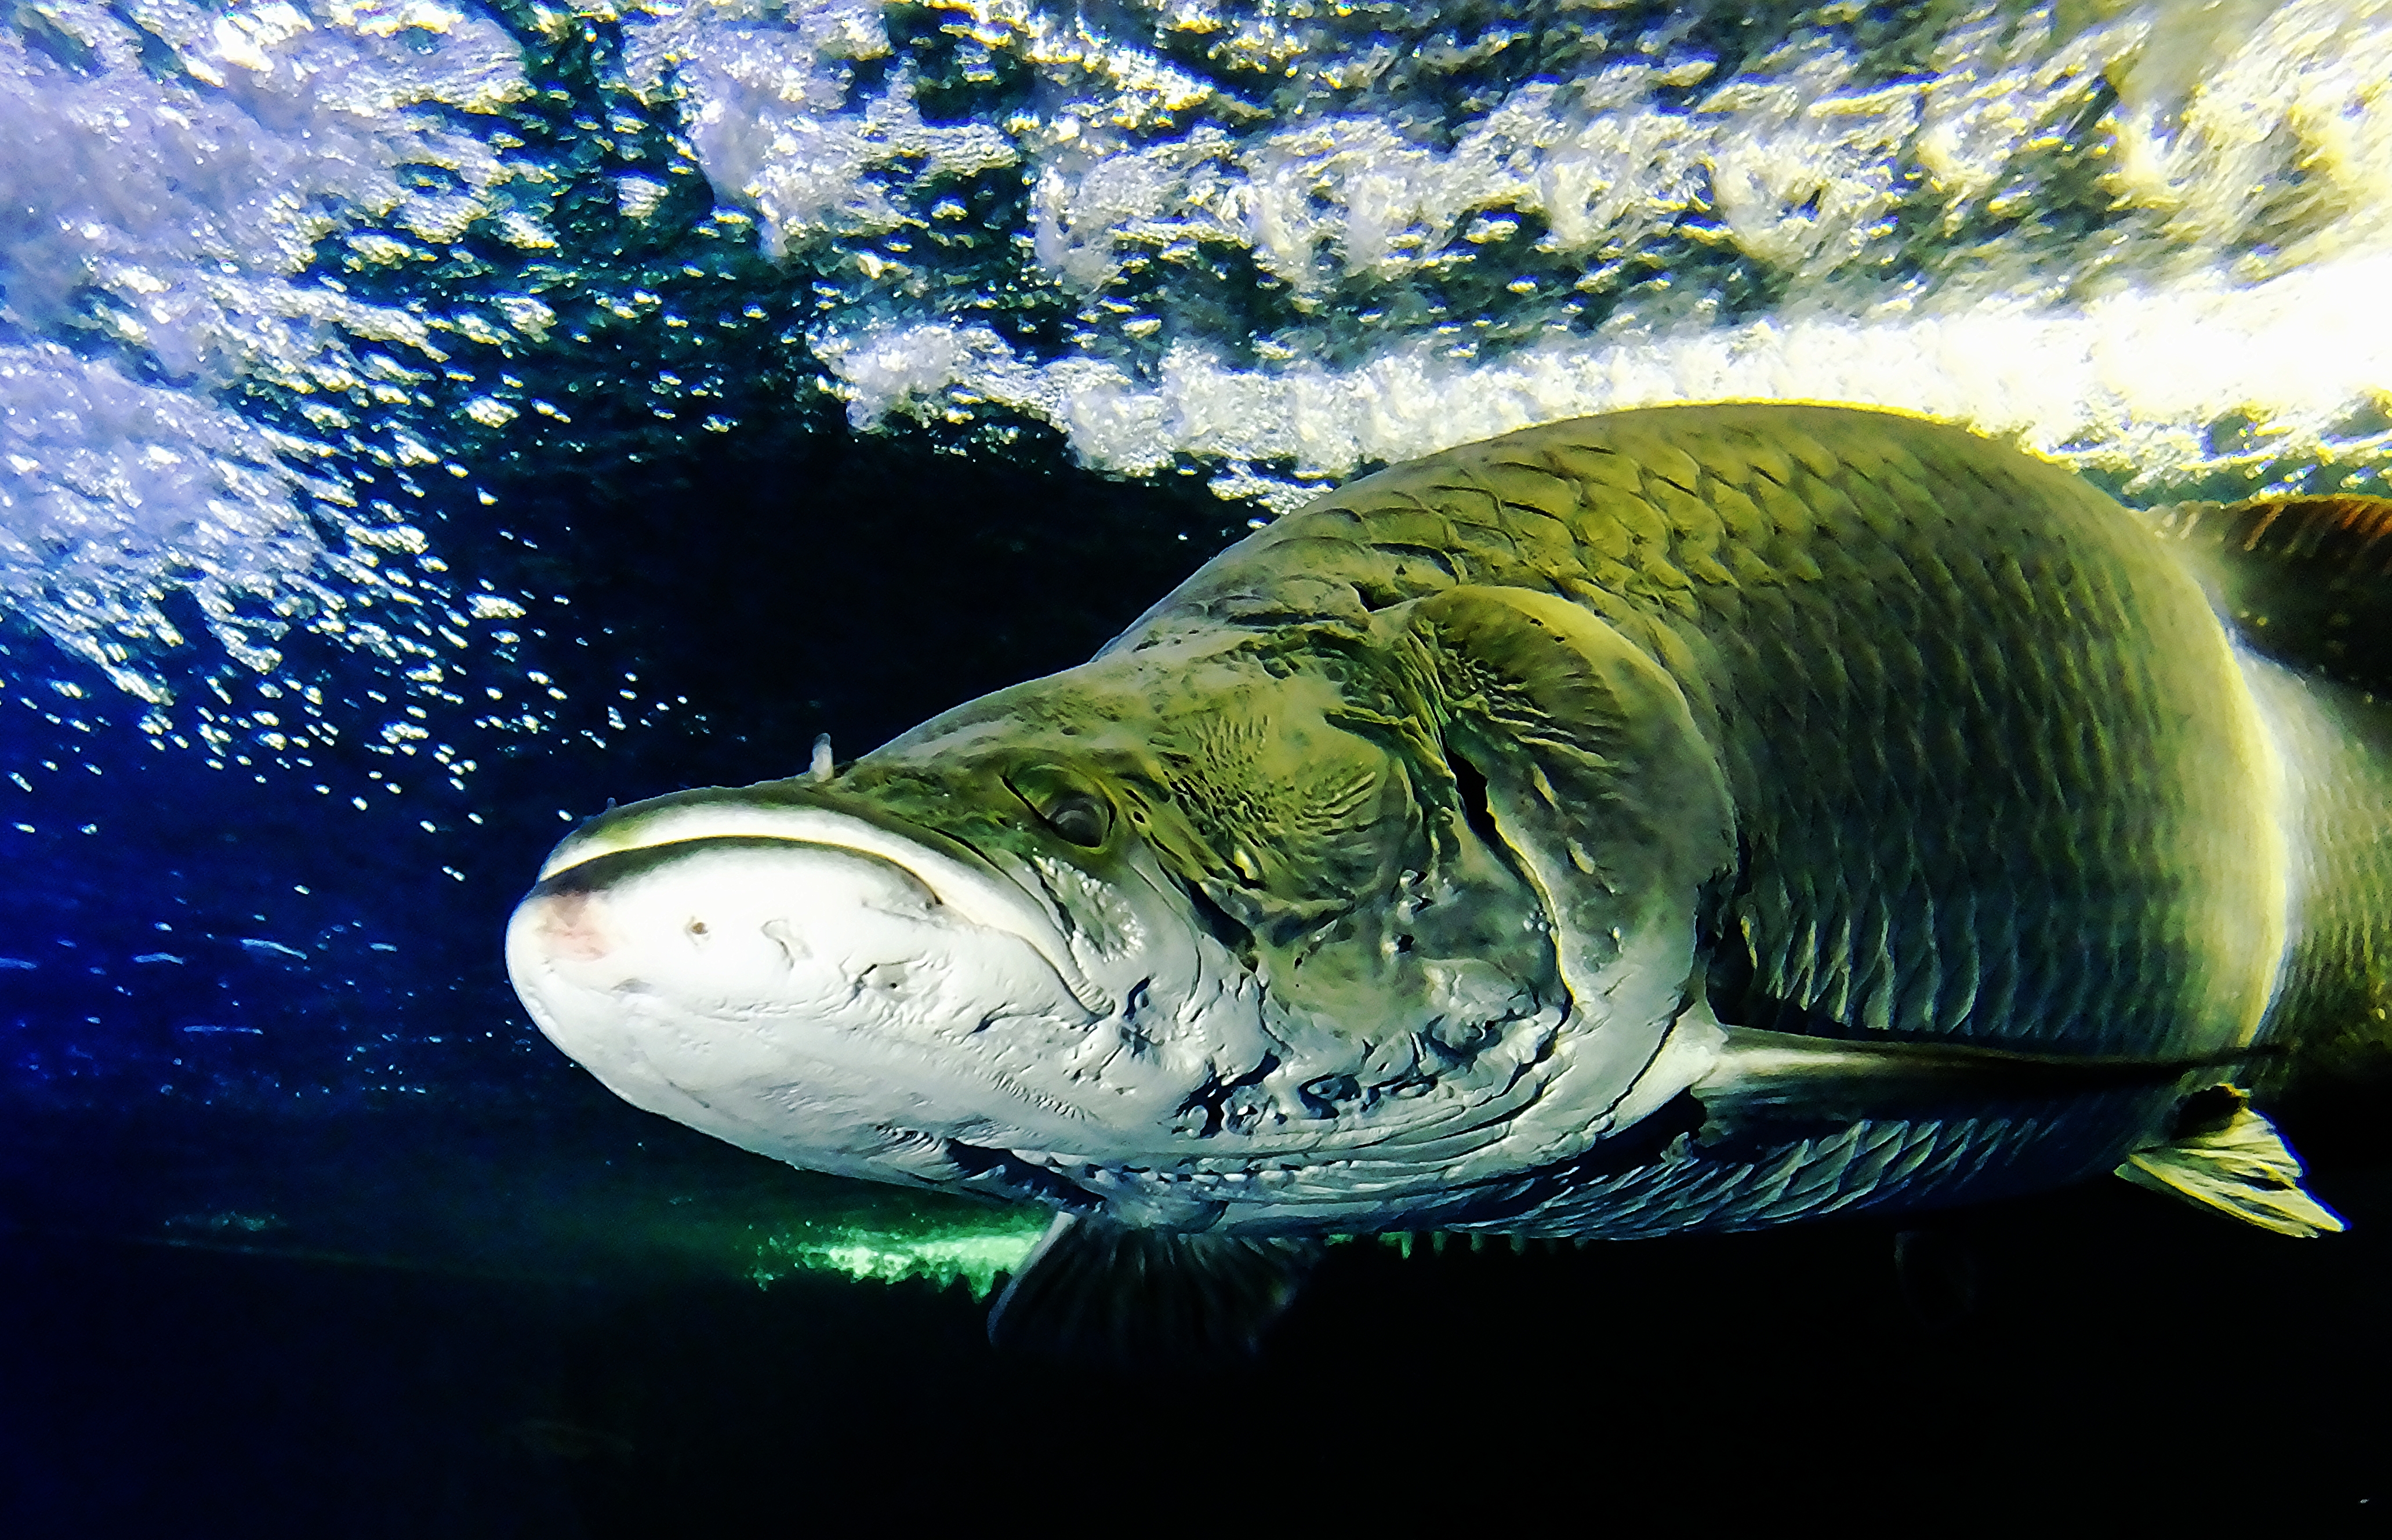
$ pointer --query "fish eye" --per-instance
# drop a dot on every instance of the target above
(1065, 802)
(1080, 817)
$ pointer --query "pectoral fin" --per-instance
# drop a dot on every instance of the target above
(1759, 1079)
(2235, 1161)
(1094, 1289)
(2222, 1155)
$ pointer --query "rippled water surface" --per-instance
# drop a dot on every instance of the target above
(421, 424)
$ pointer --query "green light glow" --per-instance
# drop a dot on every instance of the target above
(975, 1252)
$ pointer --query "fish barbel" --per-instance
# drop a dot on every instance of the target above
(1697, 818)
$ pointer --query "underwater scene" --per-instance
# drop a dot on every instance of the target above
(429, 427)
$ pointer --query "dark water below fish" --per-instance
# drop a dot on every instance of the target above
(2051, 1357)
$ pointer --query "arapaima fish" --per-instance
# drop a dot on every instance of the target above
(1698, 818)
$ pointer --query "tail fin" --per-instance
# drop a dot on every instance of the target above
(2305, 586)
(2304, 581)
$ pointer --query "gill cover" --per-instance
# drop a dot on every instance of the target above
(1596, 778)
(1463, 848)
(1572, 753)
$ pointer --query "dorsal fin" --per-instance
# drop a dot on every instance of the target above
(2305, 581)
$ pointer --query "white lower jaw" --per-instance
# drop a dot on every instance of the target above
(762, 980)
(826, 1104)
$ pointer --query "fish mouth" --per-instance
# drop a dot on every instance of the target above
(957, 878)
(756, 971)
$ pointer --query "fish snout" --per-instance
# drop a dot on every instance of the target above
(568, 927)
(769, 980)
(713, 921)
(565, 945)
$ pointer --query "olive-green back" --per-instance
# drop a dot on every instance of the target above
(1995, 774)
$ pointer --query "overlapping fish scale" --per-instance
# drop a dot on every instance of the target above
(1911, 652)
(1863, 1166)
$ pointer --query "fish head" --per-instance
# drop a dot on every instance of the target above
(1205, 933)
(957, 948)
(795, 969)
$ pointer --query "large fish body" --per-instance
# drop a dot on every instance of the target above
(1688, 819)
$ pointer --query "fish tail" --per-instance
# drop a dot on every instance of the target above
(2305, 584)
